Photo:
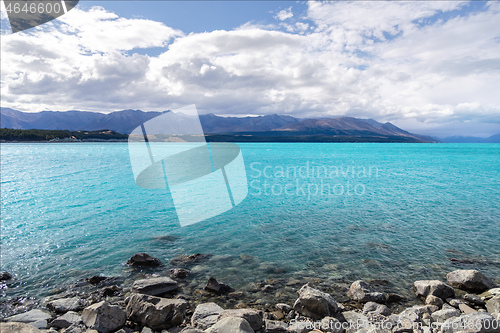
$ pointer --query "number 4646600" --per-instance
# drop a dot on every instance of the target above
(47, 7)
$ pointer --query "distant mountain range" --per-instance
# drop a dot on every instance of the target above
(472, 139)
(263, 128)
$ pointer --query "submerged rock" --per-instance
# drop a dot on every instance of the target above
(4, 276)
(189, 259)
(314, 303)
(103, 317)
(143, 259)
(96, 279)
(469, 280)
(217, 287)
(156, 312)
(154, 286)
(361, 291)
(178, 273)
(206, 315)
(436, 288)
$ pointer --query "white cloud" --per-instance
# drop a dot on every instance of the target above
(284, 14)
(365, 59)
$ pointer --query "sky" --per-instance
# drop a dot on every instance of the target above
(430, 67)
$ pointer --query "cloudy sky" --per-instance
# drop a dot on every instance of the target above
(430, 67)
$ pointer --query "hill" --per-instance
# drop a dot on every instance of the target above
(279, 128)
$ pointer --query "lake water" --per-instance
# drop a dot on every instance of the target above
(337, 212)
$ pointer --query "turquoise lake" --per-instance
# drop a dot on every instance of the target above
(400, 212)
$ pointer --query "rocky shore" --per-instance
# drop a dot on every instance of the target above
(465, 301)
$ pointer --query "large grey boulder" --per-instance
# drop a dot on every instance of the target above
(65, 304)
(156, 312)
(373, 309)
(36, 318)
(205, 315)
(357, 321)
(414, 315)
(436, 288)
(493, 305)
(103, 317)
(443, 315)
(231, 325)
(66, 320)
(314, 303)
(253, 317)
(472, 323)
(15, 327)
(361, 291)
(275, 326)
(154, 286)
(191, 330)
(469, 280)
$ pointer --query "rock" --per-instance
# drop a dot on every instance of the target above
(189, 259)
(36, 318)
(205, 315)
(433, 300)
(469, 280)
(156, 312)
(285, 308)
(178, 273)
(65, 304)
(146, 329)
(331, 325)
(4, 276)
(253, 317)
(191, 330)
(143, 259)
(231, 325)
(455, 302)
(490, 293)
(466, 309)
(77, 328)
(356, 320)
(361, 291)
(274, 326)
(14, 327)
(110, 291)
(66, 320)
(474, 299)
(493, 305)
(314, 303)
(472, 323)
(103, 317)
(372, 308)
(436, 288)
(414, 315)
(217, 287)
(154, 286)
(442, 315)
(96, 279)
